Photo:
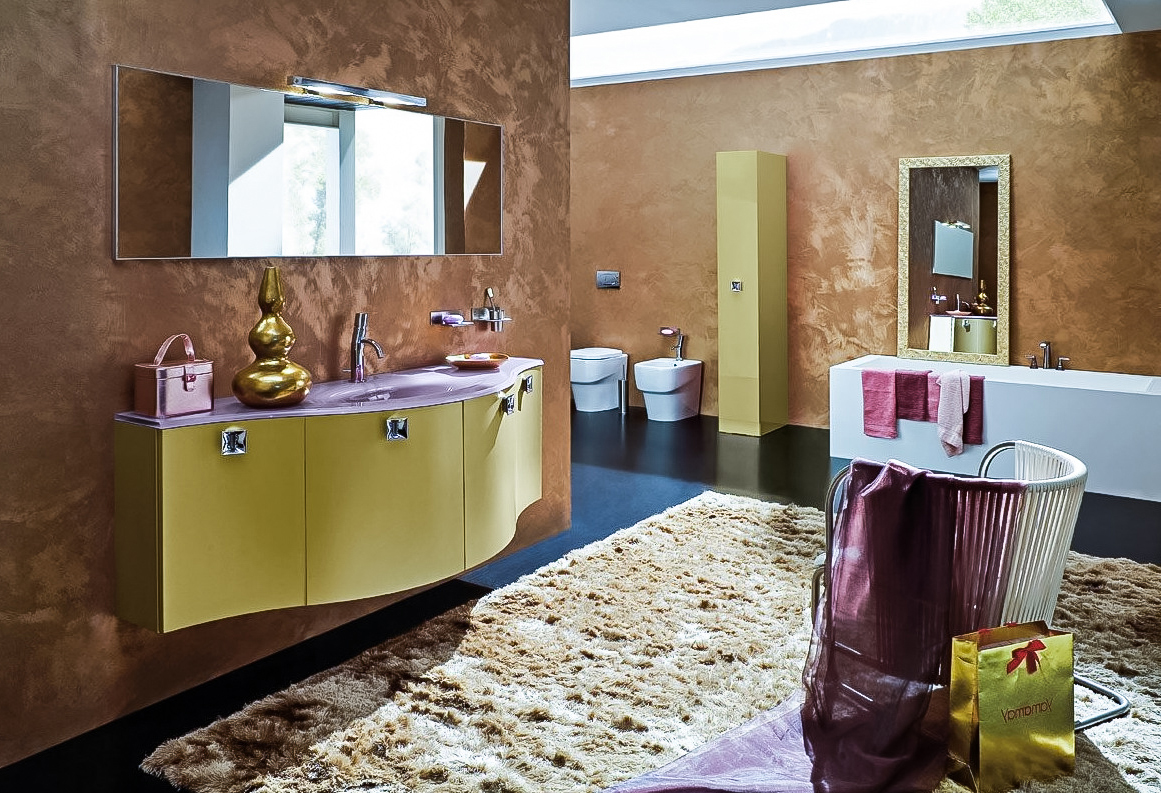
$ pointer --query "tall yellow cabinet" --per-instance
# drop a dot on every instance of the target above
(752, 326)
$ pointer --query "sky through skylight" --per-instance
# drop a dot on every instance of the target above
(827, 32)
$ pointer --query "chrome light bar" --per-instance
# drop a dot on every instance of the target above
(372, 94)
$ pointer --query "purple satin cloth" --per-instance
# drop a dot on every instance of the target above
(916, 558)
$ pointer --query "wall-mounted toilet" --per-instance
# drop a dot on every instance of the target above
(672, 387)
(598, 378)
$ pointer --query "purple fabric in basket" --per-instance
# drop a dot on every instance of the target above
(914, 560)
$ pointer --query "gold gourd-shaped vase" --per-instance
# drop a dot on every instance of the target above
(272, 380)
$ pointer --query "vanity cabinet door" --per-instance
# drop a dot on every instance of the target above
(490, 448)
(203, 535)
(385, 502)
(530, 415)
(502, 442)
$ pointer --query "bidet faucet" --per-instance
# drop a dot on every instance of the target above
(358, 339)
(677, 348)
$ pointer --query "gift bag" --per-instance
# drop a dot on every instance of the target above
(1011, 706)
(174, 388)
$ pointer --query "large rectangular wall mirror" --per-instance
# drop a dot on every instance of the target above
(207, 169)
(954, 258)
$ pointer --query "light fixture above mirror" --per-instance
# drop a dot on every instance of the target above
(954, 215)
(375, 95)
(208, 169)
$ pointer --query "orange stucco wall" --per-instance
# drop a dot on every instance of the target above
(1081, 120)
(74, 321)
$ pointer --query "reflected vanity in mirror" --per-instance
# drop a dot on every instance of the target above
(207, 169)
(954, 258)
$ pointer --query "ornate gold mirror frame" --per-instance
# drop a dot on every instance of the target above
(970, 193)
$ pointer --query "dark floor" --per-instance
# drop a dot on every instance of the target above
(623, 470)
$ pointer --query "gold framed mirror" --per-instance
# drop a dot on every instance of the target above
(954, 276)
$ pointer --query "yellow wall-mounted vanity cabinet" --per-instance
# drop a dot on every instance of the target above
(320, 504)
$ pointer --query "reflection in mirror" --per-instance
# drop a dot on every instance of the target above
(206, 169)
(955, 250)
(953, 258)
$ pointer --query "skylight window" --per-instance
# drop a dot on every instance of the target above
(831, 31)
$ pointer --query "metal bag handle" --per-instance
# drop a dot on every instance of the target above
(189, 350)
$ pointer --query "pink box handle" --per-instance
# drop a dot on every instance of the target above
(186, 377)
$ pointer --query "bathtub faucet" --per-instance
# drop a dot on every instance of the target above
(1047, 347)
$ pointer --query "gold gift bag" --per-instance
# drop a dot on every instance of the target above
(1011, 706)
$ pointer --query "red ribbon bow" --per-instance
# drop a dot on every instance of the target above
(1026, 653)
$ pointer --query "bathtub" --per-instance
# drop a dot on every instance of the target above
(1110, 421)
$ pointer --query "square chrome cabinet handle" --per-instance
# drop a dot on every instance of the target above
(396, 429)
(233, 441)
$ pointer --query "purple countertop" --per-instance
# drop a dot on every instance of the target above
(409, 388)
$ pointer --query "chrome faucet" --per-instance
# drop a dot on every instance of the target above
(1047, 347)
(677, 348)
(358, 339)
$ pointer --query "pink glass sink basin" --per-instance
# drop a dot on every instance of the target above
(407, 391)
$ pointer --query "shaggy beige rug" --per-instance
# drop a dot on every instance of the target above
(620, 657)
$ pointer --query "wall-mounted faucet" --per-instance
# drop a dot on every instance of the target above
(680, 338)
(358, 339)
(937, 298)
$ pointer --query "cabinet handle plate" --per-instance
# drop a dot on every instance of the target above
(233, 441)
(396, 429)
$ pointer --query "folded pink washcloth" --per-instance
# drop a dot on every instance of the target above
(911, 395)
(954, 396)
(879, 404)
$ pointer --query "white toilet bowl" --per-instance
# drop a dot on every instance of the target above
(672, 388)
(598, 378)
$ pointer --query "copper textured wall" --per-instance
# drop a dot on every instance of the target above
(74, 321)
(1081, 119)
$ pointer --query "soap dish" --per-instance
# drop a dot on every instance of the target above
(477, 360)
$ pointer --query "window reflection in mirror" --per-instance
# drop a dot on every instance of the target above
(209, 169)
(955, 250)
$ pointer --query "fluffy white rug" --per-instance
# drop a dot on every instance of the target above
(618, 658)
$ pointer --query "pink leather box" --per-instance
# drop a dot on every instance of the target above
(174, 388)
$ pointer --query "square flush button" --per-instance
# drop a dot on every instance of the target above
(608, 279)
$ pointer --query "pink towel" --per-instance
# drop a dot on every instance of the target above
(954, 397)
(879, 404)
(973, 420)
(911, 395)
(932, 395)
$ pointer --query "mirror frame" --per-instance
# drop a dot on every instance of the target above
(1003, 235)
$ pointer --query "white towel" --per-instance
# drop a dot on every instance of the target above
(954, 397)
